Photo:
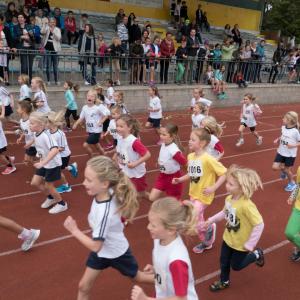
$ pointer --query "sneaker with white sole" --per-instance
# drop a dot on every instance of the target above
(64, 189)
(240, 142)
(9, 170)
(290, 187)
(86, 83)
(200, 248)
(295, 255)
(259, 141)
(57, 208)
(28, 243)
(210, 235)
(47, 203)
(74, 169)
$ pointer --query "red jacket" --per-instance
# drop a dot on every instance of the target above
(167, 49)
(70, 24)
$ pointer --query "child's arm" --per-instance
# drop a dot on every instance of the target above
(21, 137)
(215, 218)
(181, 179)
(254, 237)
(71, 225)
(2, 116)
(12, 101)
(50, 156)
(142, 159)
(212, 189)
(28, 145)
(79, 121)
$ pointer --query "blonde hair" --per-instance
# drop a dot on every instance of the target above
(200, 91)
(203, 134)
(172, 130)
(202, 107)
(173, 213)
(248, 179)
(123, 188)
(292, 118)
(56, 118)
(39, 117)
(121, 94)
(211, 124)
(24, 78)
(116, 39)
(250, 97)
(94, 93)
(132, 123)
(41, 83)
(117, 109)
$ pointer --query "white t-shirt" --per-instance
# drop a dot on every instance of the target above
(248, 116)
(201, 100)
(167, 164)
(4, 96)
(210, 149)
(106, 225)
(288, 136)
(196, 120)
(112, 129)
(163, 257)
(154, 103)
(61, 140)
(44, 142)
(3, 140)
(29, 136)
(41, 96)
(92, 116)
(110, 95)
(25, 92)
(126, 154)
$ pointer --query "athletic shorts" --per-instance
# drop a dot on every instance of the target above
(245, 125)
(8, 111)
(164, 183)
(31, 151)
(50, 175)
(105, 125)
(139, 183)
(287, 161)
(155, 122)
(93, 138)
(2, 150)
(65, 161)
(126, 264)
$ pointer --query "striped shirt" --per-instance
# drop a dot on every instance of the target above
(4, 96)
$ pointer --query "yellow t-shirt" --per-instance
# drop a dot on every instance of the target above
(297, 201)
(241, 216)
(203, 171)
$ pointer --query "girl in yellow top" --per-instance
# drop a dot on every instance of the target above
(203, 173)
(292, 230)
(244, 224)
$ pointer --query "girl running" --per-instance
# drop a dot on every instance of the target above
(170, 161)
(155, 110)
(7, 99)
(244, 225)
(110, 93)
(203, 170)
(199, 112)
(28, 236)
(114, 197)
(248, 115)
(287, 150)
(131, 153)
(55, 122)
(94, 117)
(24, 110)
(48, 169)
(116, 113)
(292, 230)
(172, 267)
(119, 98)
(71, 106)
(25, 90)
(215, 147)
(7, 160)
(198, 96)
(39, 98)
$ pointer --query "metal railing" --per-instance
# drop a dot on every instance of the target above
(138, 70)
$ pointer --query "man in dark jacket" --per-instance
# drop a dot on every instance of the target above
(134, 32)
(277, 60)
(193, 44)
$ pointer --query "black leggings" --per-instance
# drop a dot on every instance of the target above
(68, 114)
(235, 259)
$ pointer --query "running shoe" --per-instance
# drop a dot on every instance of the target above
(9, 170)
(295, 255)
(200, 248)
(283, 175)
(74, 169)
(64, 189)
(210, 235)
(218, 286)
(28, 243)
(240, 142)
(56, 209)
(47, 203)
(290, 187)
(259, 140)
(260, 261)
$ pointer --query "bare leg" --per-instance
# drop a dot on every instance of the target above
(154, 194)
(88, 148)
(86, 283)
(10, 225)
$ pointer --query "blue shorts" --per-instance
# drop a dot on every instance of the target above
(126, 264)
(65, 161)
(155, 122)
(93, 138)
(31, 151)
(287, 161)
(50, 175)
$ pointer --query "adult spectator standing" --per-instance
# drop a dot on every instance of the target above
(40, 18)
(145, 35)
(260, 52)
(237, 35)
(199, 14)
(193, 44)
(87, 51)
(123, 35)
(136, 52)
(52, 44)
(184, 11)
(278, 55)
(195, 26)
(228, 48)
(134, 32)
(60, 21)
(44, 5)
(177, 13)
(119, 17)
(11, 12)
(246, 57)
(24, 41)
(167, 50)
(84, 20)
(70, 25)
(227, 32)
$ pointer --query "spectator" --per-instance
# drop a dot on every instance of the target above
(11, 25)
(177, 13)
(195, 26)
(199, 14)
(36, 32)
(123, 35)
(52, 45)
(70, 25)
(136, 52)
(254, 61)
(227, 32)
(172, 11)
(24, 42)
(87, 51)
(292, 60)
(60, 22)
(184, 11)
(181, 57)
(237, 35)
(167, 50)
(193, 45)
(119, 17)
(40, 19)
(185, 29)
(11, 12)
(131, 18)
(84, 19)
(32, 5)
(260, 52)
(3, 62)
(134, 32)
(149, 29)
(26, 14)
(102, 48)
(202, 55)
(205, 23)
(145, 35)
(155, 55)
(277, 60)
(44, 5)
(245, 57)
(228, 48)
(217, 56)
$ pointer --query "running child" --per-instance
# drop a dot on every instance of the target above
(48, 169)
(24, 110)
(94, 117)
(172, 268)
(214, 148)
(198, 96)
(199, 113)
(119, 98)
(55, 122)
(116, 113)
(244, 225)
(292, 230)
(287, 150)
(28, 236)
(39, 98)
(7, 99)
(206, 175)
(6, 159)
(25, 90)
(71, 106)
(110, 93)
(170, 161)
(154, 109)
(114, 197)
(131, 154)
(248, 115)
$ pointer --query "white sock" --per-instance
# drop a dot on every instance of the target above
(25, 234)
(69, 168)
(256, 254)
(66, 185)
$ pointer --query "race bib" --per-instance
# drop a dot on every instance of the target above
(123, 158)
(161, 279)
(233, 222)
(40, 154)
(195, 168)
(283, 142)
(89, 124)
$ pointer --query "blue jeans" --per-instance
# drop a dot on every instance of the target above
(84, 69)
(52, 59)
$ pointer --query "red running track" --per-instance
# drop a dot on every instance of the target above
(52, 269)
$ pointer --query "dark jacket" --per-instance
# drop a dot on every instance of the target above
(180, 52)
(18, 32)
(115, 51)
(192, 51)
(134, 33)
(278, 55)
